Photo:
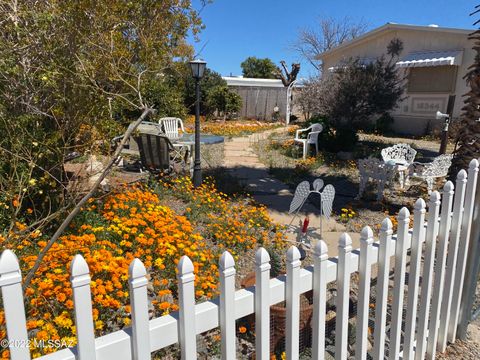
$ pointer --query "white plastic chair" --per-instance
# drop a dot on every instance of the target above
(312, 137)
(171, 126)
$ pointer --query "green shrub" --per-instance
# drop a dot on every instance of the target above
(384, 124)
(344, 139)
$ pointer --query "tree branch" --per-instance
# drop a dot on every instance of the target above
(84, 200)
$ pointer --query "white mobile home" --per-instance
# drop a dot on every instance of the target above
(434, 61)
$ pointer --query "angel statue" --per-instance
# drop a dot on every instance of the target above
(303, 191)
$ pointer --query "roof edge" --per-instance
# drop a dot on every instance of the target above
(390, 27)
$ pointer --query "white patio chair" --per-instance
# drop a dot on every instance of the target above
(432, 170)
(311, 139)
(401, 156)
(171, 126)
(376, 170)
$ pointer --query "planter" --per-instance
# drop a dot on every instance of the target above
(278, 316)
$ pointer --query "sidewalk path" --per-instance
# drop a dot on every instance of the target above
(243, 163)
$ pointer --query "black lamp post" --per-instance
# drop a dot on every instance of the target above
(198, 68)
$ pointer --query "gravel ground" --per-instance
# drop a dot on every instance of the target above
(468, 349)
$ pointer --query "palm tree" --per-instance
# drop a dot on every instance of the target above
(468, 138)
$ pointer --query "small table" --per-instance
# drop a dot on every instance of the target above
(400, 166)
(189, 139)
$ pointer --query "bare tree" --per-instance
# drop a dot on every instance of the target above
(329, 33)
(287, 76)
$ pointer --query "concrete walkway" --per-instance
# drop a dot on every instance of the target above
(243, 163)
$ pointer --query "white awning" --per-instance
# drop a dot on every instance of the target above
(432, 58)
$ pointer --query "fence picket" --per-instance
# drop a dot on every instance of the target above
(343, 297)
(463, 248)
(427, 278)
(80, 279)
(262, 304)
(451, 259)
(292, 297)
(382, 288)
(438, 306)
(366, 241)
(440, 260)
(320, 255)
(399, 282)
(13, 306)
(418, 236)
(186, 300)
(139, 304)
(227, 305)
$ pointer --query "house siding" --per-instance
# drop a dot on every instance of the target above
(408, 118)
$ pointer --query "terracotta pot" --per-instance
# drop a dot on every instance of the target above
(278, 314)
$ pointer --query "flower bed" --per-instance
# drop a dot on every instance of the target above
(135, 222)
(230, 128)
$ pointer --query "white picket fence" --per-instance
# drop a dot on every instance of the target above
(432, 309)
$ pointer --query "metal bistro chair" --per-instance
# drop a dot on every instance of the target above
(312, 137)
(401, 156)
(158, 155)
(376, 170)
(430, 171)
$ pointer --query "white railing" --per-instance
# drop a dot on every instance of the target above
(432, 309)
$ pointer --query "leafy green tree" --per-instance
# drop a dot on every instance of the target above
(67, 68)
(223, 101)
(253, 67)
(210, 80)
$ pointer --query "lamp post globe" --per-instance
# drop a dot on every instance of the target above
(198, 69)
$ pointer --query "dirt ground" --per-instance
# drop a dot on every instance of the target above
(465, 349)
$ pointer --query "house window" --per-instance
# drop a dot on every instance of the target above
(432, 79)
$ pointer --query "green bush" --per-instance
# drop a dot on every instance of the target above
(384, 124)
(223, 101)
(344, 139)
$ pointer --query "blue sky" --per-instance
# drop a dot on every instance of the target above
(236, 29)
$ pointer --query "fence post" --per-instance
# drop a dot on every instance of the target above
(382, 288)
(227, 305)
(80, 279)
(451, 260)
(262, 304)
(427, 278)
(399, 282)
(186, 301)
(465, 284)
(366, 241)
(12, 295)
(418, 236)
(139, 305)
(293, 303)
(445, 221)
(343, 297)
(320, 256)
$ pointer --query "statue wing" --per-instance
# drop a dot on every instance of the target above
(301, 193)
(318, 184)
(327, 195)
